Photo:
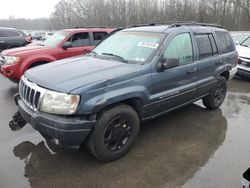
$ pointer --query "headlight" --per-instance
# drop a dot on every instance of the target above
(9, 60)
(59, 103)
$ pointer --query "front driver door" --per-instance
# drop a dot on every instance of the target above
(176, 86)
(80, 44)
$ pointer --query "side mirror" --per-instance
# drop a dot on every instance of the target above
(67, 45)
(167, 64)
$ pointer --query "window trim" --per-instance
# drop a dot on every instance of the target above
(192, 44)
(213, 55)
(70, 37)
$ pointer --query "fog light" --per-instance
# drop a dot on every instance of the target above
(55, 141)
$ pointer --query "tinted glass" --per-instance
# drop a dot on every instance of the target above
(180, 48)
(213, 43)
(206, 45)
(98, 36)
(225, 42)
(9, 33)
(79, 39)
(133, 46)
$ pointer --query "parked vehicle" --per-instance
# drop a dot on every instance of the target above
(243, 49)
(134, 75)
(12, 38)
(63, 44)
(47, 35)
(239, 38)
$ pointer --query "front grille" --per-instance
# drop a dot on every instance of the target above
(30, 93)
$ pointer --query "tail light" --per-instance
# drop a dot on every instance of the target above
(237, 59)
(29, 39)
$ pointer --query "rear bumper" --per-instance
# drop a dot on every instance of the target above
(233, 72)
(69, 132)
(243, 71)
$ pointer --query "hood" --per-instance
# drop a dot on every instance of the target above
(243, 51)
(72, 73)
(24, 50)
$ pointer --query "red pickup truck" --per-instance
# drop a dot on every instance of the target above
(63, 44)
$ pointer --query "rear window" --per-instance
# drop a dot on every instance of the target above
(207, 46)
(98, 36)
(9, 33)
(225, 41)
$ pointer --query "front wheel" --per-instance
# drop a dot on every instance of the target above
(114, 133)
(217, 95)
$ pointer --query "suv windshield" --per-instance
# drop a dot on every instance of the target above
(131, 46)
(56, 39)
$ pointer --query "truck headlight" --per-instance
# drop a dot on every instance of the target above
(9, 60)
(59, 103)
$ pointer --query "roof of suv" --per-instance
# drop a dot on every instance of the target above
(8, 28)
(167, 28)
(90, 29)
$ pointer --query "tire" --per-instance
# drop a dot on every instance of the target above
(114, 133)
(217, 95)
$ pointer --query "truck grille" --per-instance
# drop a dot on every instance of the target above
(30, 93)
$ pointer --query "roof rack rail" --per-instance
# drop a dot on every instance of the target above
(142, 25)
(79, 27)
(194, 24)
(176, 24)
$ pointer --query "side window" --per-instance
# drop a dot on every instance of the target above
(226, 43)
(206, 45)
(79, 39)
(180, 48)
(214, 46)
(9, 33)
(98, 36)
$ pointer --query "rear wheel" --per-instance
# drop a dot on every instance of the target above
(114, 133)
(217, 95)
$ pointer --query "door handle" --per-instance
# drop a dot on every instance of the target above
(192, 71)
(86, 51)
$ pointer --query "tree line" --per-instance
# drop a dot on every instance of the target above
(232, 14)
(26, 24)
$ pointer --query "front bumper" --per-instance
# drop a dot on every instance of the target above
(70, 132)
(10, 71)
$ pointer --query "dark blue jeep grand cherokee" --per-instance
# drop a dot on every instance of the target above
(136, 74)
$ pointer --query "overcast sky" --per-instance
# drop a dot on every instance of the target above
(27, 8)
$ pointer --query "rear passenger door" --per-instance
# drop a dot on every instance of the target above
(208, 61)
(80, 44)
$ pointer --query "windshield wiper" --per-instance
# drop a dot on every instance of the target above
(117, 56)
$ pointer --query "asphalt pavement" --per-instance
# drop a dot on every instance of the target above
(191, 148)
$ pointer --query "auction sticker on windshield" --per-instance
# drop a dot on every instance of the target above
(153, 45)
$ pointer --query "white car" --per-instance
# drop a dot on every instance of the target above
(244, 58)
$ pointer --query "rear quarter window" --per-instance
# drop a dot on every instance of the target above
(225, 42)
(98, 36)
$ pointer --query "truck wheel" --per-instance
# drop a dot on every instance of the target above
(114, 133)
(217, 95)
